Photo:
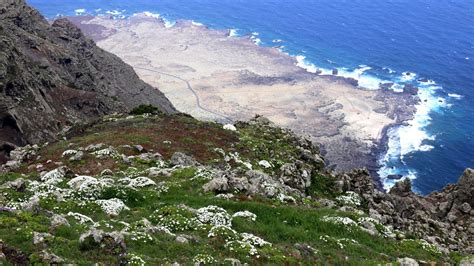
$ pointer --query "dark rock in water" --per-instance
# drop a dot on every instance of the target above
(410, 89)
(52, 76)
(335, 72)
(394, 177)
(352, 81)
(386, 86)
(423, 80)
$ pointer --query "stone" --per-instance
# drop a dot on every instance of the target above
(217, 185)
(407, 262)
(232, 262)
(181, 159)
(239, 184)
(50, 258)
(182, 239)
(155, 172)
(106, 172)
(295, 175)
(77, 157)
(139, 148)
(13, 165)
(58, 220)
(40, 238)
(32, 205)
(18, 185)
(465, 207)
(109, 242)
(401, 188)
(306, 250)
(369, 228)
(95, 147)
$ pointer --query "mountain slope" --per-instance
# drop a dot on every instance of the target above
(52, 76)
(169, 188)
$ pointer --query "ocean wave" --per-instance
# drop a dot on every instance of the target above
(310, 67)
(407, 76)
(454, 95)
(233, 33)
(365, 80)
(412, 136)
(80, 11)
(195, 23)
(254, 37)
(114, 12)
(153, 15)
(167, 23)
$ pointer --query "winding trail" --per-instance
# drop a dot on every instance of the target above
(196, 96)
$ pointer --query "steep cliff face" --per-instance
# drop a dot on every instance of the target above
(52, 76)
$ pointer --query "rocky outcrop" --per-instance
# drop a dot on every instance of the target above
(52, 77)
(444, 218)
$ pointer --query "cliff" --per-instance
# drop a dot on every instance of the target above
(52, 77)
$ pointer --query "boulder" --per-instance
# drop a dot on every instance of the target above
(407, 262)
(217, 185)
(402, 188)
(181, 159)
(110, 242)
(296, 175)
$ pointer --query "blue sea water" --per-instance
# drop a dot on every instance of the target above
(373, 41)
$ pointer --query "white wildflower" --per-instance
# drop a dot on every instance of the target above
(245, 214)
(230, 127)
(213, 215)
(265, 164)
(112, 206)
(69, 153)
(350, 198)
(339, 220)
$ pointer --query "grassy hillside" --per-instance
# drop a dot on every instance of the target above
(118, 203)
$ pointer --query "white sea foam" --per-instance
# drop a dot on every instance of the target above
(454, 95)
(153, 15)
(412, 137)
(167, 23)
(407, 76)
(365, 80)
(197, 23)
(256, 40)
(114, 12)
(428, 82)
(233, 33)
(80, 11)
(390, 71)
(311, 68)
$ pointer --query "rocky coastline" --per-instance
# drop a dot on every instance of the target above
(350, 129)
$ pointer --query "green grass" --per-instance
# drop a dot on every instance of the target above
(280, 224)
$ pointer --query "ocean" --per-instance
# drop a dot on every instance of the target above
(426, 43)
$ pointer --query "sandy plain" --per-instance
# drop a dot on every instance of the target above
(213, 76)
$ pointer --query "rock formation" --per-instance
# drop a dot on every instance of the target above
(52, 76)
